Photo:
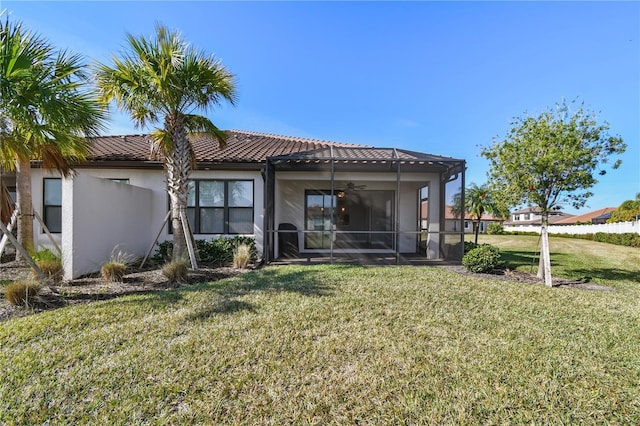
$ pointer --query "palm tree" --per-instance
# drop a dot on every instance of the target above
(46, 112)
(478, 201)
(161, 81)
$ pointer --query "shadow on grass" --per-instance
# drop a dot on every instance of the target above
(609, 274)
(308, 282)
(223, 295)
(529, 260)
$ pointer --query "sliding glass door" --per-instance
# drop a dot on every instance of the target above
(362, 219)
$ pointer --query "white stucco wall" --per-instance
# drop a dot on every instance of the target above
(101, 218)
(154, 182)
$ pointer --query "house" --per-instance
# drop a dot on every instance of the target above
(594, 217)
(531, 216)
(453, 222)
(298, 197)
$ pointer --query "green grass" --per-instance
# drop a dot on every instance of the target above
(331, 345)
(572, 258)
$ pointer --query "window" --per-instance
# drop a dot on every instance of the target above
(53, 204)
(527, 216)
(220, 206)
(516, 217)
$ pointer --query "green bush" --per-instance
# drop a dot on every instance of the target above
(217, 251)
(495, 229)
(470, 245)
(484, 258)
(628, 239)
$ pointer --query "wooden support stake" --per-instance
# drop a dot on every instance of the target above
(164, 222)
(188, 236)
(46, 230)
(12, 223)
(24, 253)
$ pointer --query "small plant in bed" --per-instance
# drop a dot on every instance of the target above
(176, 271)
(22, 293)
(50, 264)
(115, 269)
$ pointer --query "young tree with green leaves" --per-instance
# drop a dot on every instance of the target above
(550, 160)
(628, 211)
(47, 110)
(161, 81)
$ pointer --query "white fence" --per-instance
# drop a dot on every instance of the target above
(607, 228)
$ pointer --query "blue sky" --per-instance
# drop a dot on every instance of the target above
(437, 77)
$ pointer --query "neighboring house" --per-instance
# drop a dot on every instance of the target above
(296, 196)
(595, 217)
(453, 223)
(531, 216)
(487, 219)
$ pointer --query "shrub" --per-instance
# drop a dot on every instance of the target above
(495, 229)
(241, 256)
(470, 245)
(176, 271)
(50, 264)
(116, 267)
(484, 258)
(22, 293)
(217, 251)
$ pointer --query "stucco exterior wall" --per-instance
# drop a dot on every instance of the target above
(101, 218)
(157, 203)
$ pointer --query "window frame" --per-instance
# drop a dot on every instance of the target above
(194, 211)
(45, 206)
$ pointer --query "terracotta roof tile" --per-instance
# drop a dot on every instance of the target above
(242, 146)
(585, 217)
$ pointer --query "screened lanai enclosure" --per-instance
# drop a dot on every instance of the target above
(372, 205)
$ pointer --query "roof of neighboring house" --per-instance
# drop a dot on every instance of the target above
(586, 217)
(242, 147)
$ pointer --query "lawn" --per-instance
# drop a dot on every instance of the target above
(333, 345)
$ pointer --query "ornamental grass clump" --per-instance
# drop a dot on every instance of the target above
(176, 271)
(115, 269)
(241, 256)
(22, 293)
(484, 258)
(50, 264)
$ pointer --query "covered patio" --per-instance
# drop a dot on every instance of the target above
(361, 205)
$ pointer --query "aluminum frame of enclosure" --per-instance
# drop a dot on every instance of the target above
(366, 160)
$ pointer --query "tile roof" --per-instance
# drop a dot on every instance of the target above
(242, 147)
(586, 217)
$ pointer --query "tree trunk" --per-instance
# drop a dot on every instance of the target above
(476, 230)
(25, 204)
(544, 266)
(178, 169)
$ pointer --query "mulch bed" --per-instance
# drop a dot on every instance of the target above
(94, 288)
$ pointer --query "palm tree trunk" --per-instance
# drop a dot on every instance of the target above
(25, 204)
(178, 169)
(476, 230)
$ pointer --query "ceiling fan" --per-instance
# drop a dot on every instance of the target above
(349, 189)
